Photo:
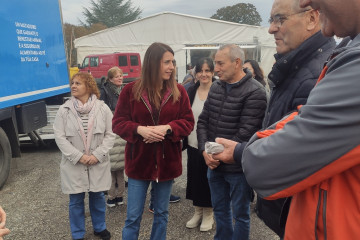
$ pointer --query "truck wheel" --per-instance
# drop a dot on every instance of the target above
(5, 157)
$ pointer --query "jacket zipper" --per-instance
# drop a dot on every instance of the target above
(166, 100)
(87, 170)
(324, 214)
(148, 110)
(322, 200)
(152, 117)
(222, 106)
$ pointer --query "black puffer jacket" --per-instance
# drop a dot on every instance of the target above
(109, 96)
(293, 76)
(234, 115)
(117, 152)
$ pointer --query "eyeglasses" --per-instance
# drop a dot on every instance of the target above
(279, 19)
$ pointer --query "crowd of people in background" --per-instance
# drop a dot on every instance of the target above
(292, 137)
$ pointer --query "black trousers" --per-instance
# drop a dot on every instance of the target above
(197, 188)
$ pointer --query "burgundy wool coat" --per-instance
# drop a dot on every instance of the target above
(159, 161)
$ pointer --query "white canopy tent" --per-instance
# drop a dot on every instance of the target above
(182, 33)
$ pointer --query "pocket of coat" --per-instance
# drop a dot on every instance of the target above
(99, 129)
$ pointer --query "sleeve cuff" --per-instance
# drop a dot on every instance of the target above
(238, 152)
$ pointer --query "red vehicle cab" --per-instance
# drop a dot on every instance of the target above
(99, 64)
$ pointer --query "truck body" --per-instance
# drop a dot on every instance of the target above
(99, 64)
(34, 71)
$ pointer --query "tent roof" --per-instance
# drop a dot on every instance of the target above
(176, 29)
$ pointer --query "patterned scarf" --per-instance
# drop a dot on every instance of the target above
(115, 89)
(88, 108)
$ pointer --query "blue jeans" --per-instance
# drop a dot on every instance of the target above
(137, 190)
(230, 191)
(77, 213)
(152, 194)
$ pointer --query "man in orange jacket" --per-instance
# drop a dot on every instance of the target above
(314, 155)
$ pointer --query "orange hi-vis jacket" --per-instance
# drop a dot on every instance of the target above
(314, 156)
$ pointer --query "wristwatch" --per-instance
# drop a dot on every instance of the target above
(168, 131)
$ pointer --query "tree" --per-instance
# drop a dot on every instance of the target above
(244, 13)
(71, 32)
(110, 12)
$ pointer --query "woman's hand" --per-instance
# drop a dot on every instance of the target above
(161, 128)
(84, 159)
(3, 230)
(88, 160)
(151, 134)
(2, 218)
(93, 160)
(210, 162)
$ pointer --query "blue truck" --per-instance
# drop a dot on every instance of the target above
(34, 71)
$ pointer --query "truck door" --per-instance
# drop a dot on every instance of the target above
(124, 65)
(85, 65)
(90, 65)
(135, 67)
(94, 67)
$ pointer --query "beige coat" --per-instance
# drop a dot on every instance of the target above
(75, 176)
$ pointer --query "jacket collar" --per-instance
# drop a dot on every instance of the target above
(145, 97)
(248, 75)
(346, 44)
(192, 90)
(292, 62)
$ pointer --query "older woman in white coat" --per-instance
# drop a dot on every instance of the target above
(83, 133)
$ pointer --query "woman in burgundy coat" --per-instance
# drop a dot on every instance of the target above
(153, 114)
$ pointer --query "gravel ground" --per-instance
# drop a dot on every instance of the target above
(36, 208)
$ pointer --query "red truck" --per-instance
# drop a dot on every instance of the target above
(99, 64)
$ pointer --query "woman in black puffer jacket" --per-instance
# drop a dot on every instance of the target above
(110, 92)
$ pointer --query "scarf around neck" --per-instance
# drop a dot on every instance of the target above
(115, 89)
(77, 107)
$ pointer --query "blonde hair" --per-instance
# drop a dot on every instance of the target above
(112, 72)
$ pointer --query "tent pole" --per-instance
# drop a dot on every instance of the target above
(186, 57)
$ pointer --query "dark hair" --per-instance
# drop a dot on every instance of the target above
(200, 63)
(259, 74)
(89, 81)
(150, 80)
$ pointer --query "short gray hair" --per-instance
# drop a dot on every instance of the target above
(296, 6)
(234, 51)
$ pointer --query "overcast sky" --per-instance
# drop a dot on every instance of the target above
(72, 9)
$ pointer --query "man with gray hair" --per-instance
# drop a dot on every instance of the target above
(301, 52)
(234, 110)
(314, 155)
